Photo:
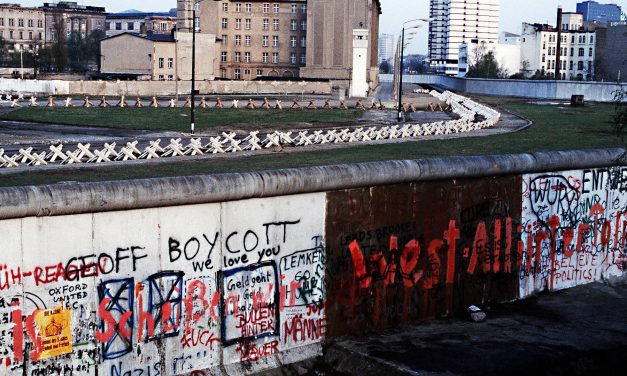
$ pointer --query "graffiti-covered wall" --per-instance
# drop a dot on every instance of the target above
(241, 285)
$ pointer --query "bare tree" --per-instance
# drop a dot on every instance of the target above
(59, 48)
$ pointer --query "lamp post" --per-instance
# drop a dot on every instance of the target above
(193, 104)
(400, 75)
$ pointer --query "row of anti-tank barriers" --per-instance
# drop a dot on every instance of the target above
(472, 116)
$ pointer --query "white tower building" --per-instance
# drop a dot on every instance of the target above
(460, 21)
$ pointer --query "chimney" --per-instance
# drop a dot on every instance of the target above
(558, 55)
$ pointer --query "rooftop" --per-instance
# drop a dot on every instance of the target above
(151, 37)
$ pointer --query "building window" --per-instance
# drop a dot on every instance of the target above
(238, 74)
(238, 40)
(197, 23)
(40, 23)
(30, 36)
(238, 57)
(249, 8)
(572, 39)
(275, 24)
(118, 25)
(238, 23)
(225, 7)
(259, 72)
(20, 22)
(264, 41)
(590, 52)
(222, 72)
(580, 65)
(591, 39)
(266, 24)
(544, 45)
(589, 66)
(293, 58)
(170, 63)
(275, 41)
(21, 35)
(161, 78)
(11, 34)
(293, 41)
(247, 57)
(266, 8)
(293, 25)
(170, 77)
(303, 8)
(543, 58)
(581, 52)
(294, 8)
(161, 60)
(31, 23)
(238, 8)
(225, 23)
(303, 25)
(225, 39)
(572, 52)
(303, 42)
(275, 8)
(303, 59)
(572, 65)
(264, 57)
(1, 21)
(11, 22)
(248, 23)
(275, 57)
(247, 40)
(130, 26)
(247, 72)
(223, 57)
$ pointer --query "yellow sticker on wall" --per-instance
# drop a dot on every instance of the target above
(55, 331)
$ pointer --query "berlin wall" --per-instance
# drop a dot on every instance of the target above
(538, 89)
(160, 88)
(241, 272)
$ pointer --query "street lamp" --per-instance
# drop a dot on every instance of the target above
(402, 51)
(193, 107)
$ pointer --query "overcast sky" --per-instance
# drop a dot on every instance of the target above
(513, 12)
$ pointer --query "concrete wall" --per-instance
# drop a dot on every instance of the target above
(593, 91)
(239, 272)
(159, 88)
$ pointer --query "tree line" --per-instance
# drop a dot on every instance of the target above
(69, 53)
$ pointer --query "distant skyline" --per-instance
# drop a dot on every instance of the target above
(513, 13)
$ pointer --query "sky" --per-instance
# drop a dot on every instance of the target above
(513, 13)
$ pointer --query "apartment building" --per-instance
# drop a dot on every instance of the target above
(66, 17)
(454, 22)
(260, 39)
(386, 48)
(22, 26)
(577, 49)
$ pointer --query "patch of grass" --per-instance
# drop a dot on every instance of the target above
(175, 119)
(555, 128)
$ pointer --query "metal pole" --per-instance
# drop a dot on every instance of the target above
(400, 77)
(22, 61)
(193, 68)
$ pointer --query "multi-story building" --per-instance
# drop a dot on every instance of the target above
(611, 52)
(342, 44)
(506, 53)
(454, 22)
(140, 22)
(386, 48)
(66, 17)
(601, 13)
(259, 38)
(22, 27)
(539, 49)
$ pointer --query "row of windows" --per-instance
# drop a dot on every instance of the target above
(265, 24)
(20, 35)
(266, 8)
(20, 22)
(170, 77)
(552, 51)
(580, 65)
(170, 62)
(163, 26)
(265, 41)
(583, 39)
(265, 57)
(237, 73)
